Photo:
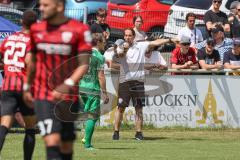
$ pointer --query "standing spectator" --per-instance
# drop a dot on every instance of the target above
(215, 16)
(140, 35)
(184, 57)
(109, 53)
(60, 52)
(190, 30)
(234, 20)
(100, 26)
(222, 44)
(131, 80)
(94, 83)
(233, 10)
(208, 57)
(232, 58)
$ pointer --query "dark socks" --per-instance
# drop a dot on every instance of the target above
(29, 143)
(66, 156)
(3, 133)
(53, 153)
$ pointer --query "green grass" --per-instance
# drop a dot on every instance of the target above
(160, 144)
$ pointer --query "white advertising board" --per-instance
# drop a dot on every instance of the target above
(189, 101)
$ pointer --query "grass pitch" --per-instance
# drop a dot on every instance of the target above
(159, 144)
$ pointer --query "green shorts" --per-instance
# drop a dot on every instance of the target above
(91, 105)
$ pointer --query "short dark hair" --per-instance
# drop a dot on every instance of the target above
(190, 14)
(136, 17)
(101, 12)
(97, 37)
(63, 1)
(130, 29)
(29, 17)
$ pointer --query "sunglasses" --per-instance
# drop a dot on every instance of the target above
(238, 9)
(186, 44)
(219, 2)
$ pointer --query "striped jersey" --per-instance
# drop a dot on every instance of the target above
(57, 50)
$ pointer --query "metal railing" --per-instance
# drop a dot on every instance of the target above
(170, 70)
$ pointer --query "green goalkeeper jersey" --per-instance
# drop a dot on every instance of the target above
(90, 81)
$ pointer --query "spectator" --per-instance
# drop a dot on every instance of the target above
(108, 54)
(154, 60)
(100, 25)
(190, 30)
(234, 20)
(184, 57)
(222, 44)
(215, 16)
(140, 35)
(233, 10)
(131, 59)
(232, 58)
(208, 57)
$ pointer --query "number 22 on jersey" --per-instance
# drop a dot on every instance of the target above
(16, 50)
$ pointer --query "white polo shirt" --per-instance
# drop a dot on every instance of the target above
(132, 65)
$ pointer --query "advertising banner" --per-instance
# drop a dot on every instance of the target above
(189, 101)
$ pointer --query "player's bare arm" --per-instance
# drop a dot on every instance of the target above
(102, 82)
(31, 70)
(73, 80)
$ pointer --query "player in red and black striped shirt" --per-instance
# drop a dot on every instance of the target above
(15, 58)
(60, 57)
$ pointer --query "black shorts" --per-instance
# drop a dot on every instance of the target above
(12, 102)
(131, 90)
(57, 118)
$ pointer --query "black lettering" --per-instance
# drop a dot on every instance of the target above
(177, 100)
(162, 117)
(178, 117)
(193, 99)
(170, 117)
(155, 100)
(185, 117)
(166, 100)
(147, 101)
(155, 117)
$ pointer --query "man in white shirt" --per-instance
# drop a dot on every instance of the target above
(190, 30)
(131, 80)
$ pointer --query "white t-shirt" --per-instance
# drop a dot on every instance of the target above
(186, 32)
(155, 58)
(139, 35)
(132, 65)
(108, 55)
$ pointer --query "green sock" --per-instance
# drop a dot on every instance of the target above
(90, 125)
